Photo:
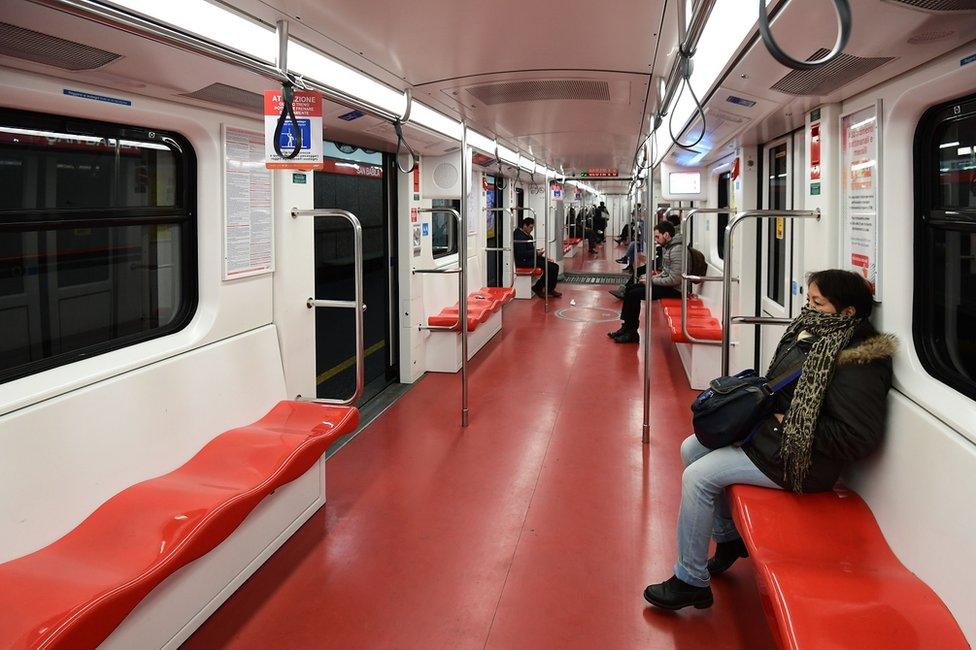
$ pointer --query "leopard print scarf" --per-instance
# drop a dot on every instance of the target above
(833, 332)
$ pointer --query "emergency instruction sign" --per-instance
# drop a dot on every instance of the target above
(308, 114)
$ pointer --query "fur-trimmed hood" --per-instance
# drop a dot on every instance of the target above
(872, 348)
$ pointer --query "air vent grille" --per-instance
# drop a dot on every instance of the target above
(218, 93)
(828, 78)
(510, 92)
(939, 5)
(50, 50)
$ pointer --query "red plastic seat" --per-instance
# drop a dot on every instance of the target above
(676, 302)
(693, 311)
(504, 295)
(708, 329)
(74, 592)
(519, 270)
(828, 579)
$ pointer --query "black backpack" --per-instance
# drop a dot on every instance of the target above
(696, 263)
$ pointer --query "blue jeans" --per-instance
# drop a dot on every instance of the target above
(704, 507)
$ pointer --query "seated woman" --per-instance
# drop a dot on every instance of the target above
(832, 415)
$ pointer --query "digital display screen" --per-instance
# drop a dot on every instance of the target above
(685, 182)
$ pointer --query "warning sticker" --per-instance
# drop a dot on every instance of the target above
(307, 106)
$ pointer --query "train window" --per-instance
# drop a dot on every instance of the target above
(944, 321)
(776, 242)
(444, 226)
(97, 238)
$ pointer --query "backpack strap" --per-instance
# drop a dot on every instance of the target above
(783, 380)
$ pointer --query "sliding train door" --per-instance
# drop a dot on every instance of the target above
(779, 286)
(362, 182)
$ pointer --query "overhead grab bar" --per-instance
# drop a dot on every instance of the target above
(734, 222)
(843, 8)
(685, 220)
(357, 304)
(462, 323)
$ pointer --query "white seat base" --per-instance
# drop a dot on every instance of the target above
(444, 347)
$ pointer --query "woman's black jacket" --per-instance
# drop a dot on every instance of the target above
(852, 417)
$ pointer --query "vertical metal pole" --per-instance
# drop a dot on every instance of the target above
(649, 197)
(545, 245)
(463, 263)
(727, 293)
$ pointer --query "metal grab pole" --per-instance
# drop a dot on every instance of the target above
(356, 304)
(686, 219)
(462, 307)
(463, 263)
(545, 243)
(727, 271)
(649, 197)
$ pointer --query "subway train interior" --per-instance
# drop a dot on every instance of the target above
(305, 304)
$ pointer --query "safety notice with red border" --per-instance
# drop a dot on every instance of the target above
(307, 106)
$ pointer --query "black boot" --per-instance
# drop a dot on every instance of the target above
(726, 553)
(674, 594)
(630, 335)
(613, 335)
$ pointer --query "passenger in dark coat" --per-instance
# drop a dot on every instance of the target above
(831, 416)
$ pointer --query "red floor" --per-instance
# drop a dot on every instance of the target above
(538, 526)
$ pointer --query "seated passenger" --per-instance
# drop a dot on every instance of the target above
(833, 415)
(526, 259)
(663, 285)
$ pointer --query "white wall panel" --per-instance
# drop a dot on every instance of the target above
(224, 308)
(63, 458)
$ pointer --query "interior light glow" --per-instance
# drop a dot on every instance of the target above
(480, 142)
(863, 165)
(435, 121)
(729, 22)
(315, 65)
(946, 145)
(964, 151)
(213, 22)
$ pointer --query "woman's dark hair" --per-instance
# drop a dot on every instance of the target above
(674, 220)
(665, 227)
(844, 289)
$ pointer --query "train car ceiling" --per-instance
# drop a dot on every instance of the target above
(567, 86)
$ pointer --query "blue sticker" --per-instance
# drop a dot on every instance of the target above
(287, 138)
(795, 288)
(351, 115)
(97, 98)
(969, 59)
(741, 102)
(425, 229)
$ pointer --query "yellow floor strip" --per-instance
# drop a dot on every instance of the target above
(348, 363)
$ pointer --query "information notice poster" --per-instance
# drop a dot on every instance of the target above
(248, 222)
(860, 201)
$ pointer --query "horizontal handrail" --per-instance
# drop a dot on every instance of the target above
(686, 277)
(342, 304)
(761, 320)
(727, 271)
(448, 271)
